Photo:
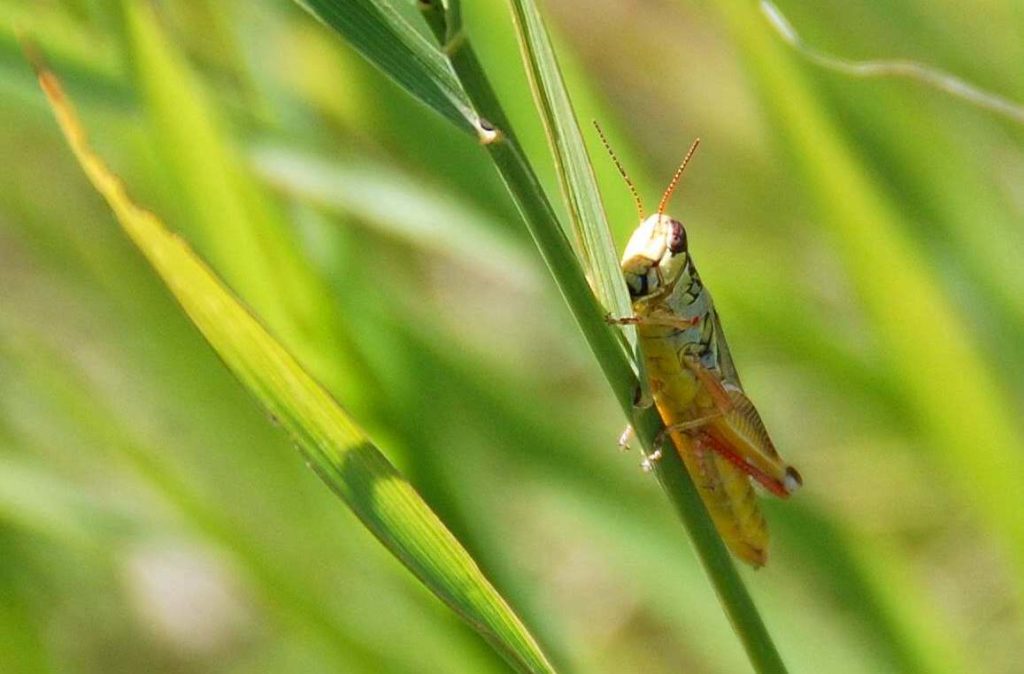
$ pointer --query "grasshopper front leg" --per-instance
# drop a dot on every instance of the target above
(665, 434)
(665, 321)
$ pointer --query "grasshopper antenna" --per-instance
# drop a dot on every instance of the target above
(622, 172)
(675, 178)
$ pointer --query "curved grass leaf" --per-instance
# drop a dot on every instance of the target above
(386, 40)
(536, 210)
(335, 447)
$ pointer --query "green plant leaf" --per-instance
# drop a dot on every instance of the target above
(337, 450)
(385, 39)
(595, 246)
(607, 345)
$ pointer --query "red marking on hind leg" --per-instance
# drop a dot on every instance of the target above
(720, 447)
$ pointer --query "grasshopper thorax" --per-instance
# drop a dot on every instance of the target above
(655, 256)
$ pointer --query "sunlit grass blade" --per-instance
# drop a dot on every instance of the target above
(331, 441)
(936, 361)
(386, 40)
(575, 172)
(550, 238)
(607, 346)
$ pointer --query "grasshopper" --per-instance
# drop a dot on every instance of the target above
(691, 378)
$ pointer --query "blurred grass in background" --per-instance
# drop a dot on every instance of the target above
(152, 519)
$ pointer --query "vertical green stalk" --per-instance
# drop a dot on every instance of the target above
(550, 238)
(543, 224)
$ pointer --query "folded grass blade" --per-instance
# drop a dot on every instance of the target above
(598, 254)
(385, 39)
(579, 187)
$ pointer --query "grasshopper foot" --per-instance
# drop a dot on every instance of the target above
(647, 465)
(627, 435)
(621, 320)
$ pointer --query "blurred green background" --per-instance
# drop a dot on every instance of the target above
(862, 238)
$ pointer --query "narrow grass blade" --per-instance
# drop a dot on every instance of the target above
(579, 187)
(386, 40)
(335, 447)
(541, 221)
(598, 255)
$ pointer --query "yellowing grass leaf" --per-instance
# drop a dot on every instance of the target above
(230, 217)
(335, 447)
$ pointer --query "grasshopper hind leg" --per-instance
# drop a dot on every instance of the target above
(731, 500)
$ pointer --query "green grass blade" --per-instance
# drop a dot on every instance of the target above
(576, 175)
(331, 441)
(542, 223)
(385, 39)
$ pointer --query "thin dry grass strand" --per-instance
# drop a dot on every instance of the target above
(931, 77)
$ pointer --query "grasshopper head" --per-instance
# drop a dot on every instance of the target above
(655, 256)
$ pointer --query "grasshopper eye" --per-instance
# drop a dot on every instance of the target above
(637, 286)
(642, 281)
(676, 237)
